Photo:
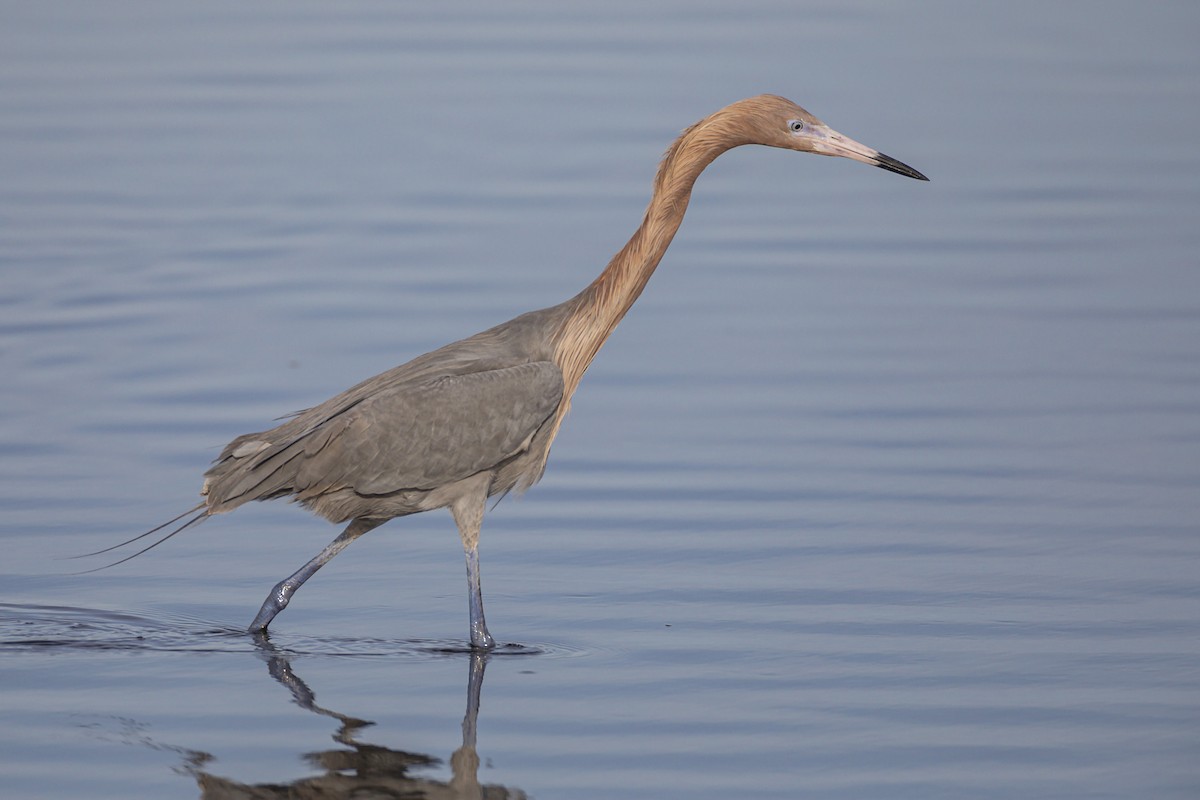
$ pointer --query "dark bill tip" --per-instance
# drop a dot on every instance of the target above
(898, 167)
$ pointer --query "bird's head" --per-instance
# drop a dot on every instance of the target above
(778, 122)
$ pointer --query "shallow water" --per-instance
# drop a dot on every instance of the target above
(884, 489)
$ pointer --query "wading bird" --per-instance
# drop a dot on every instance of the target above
(476, 418)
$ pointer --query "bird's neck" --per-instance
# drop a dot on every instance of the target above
(596, 310)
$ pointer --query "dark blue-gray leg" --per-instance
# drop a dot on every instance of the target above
(480, 638)
(468, 515)
(281, 595)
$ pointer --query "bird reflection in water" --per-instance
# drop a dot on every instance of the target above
(359, 769)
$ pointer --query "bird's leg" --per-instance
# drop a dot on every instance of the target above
(480, 638)
(468, 515)
(279, 597)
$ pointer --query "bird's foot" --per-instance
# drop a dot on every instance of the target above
(482, 640)
(276, 601)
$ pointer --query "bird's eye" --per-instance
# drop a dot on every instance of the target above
(796, 126)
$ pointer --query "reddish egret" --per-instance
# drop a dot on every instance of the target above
(476, 418)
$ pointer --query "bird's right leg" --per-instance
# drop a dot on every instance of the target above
(468, 515)
(279, 597)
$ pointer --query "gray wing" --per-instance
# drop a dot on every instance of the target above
(410, 436)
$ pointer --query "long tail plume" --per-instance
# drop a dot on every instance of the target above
(199, 512)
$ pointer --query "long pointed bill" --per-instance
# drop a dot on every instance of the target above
(828, 142)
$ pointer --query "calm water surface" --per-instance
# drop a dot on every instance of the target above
(884, 489)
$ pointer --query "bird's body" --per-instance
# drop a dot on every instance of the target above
(399, 442)
(477, 417)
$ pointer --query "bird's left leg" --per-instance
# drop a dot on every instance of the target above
(468, 515)
(282, 593)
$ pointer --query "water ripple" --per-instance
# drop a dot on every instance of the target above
(42, 627)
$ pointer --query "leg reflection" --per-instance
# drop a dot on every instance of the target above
(359, 768)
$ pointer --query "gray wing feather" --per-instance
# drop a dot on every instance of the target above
(417, 435)
(425, 436)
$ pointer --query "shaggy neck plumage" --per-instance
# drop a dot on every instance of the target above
(598, 308)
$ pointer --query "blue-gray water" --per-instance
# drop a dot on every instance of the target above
(883, 489)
